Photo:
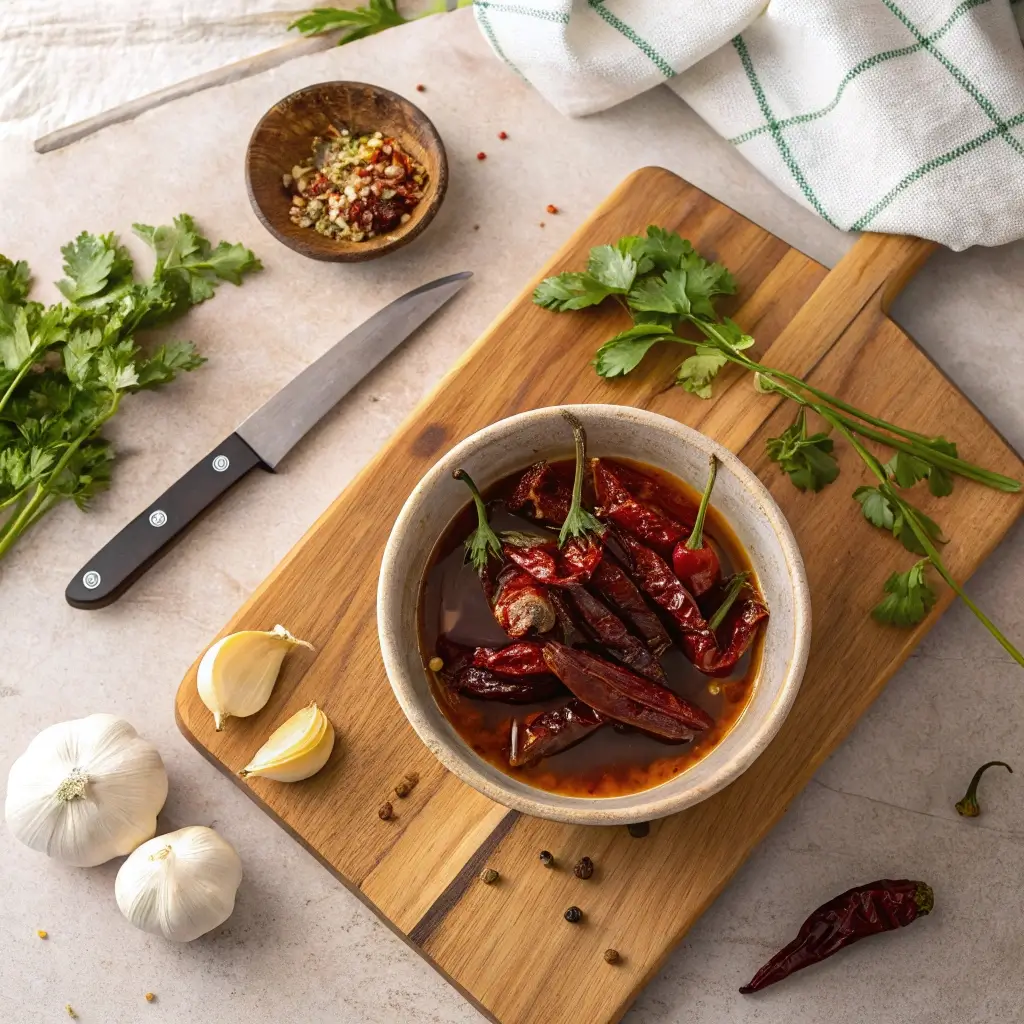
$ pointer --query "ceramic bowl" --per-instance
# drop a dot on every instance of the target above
(513, 444)
(283, 138)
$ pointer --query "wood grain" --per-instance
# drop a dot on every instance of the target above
(283, 138)
(507, 946)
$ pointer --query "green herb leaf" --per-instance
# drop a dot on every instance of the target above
(166, 363)
(650, 296)
(904, 532)
(636, 246)
(95, 266)
(376, 16)
(806, 458)
(909, 599)
(621, 354)
(875, 506)
(15, 279)
(907, 469)
(612, 268)
(666, 249)
(704, 281)
(940, 483)
(569, 291)
(696, 373)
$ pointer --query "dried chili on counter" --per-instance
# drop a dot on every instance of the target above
(694, 560)
(550, 732)
(854, 915)
(617, 692)
(609, 630)
(546, 562)
(612, 583)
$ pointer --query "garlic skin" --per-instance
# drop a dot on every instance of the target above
(237, 674)
(85, 791)
(180, 885)
(296, 750)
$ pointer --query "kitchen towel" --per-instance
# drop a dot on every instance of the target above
(904, 116)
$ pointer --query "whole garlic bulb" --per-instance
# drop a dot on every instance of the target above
(86, 791)
(237, 674)
(180, 885)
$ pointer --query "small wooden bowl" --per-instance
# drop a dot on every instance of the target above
(284, 136)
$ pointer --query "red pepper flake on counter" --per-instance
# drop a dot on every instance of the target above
(502, 136)
(355, 187)
(421, 88)
(551, 208)
(481, 155)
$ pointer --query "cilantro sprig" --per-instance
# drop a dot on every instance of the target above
(361, 21)
(668, 288)
(64, 369)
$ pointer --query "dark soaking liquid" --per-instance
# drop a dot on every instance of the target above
(614, 760)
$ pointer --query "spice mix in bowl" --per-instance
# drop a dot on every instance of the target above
(593, 614)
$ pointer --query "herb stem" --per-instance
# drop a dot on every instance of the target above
(18, 378)
(736, 584)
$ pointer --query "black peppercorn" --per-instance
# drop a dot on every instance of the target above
(584, 868)
(574, 915)
(546, 859)
(640, 829)
(489, 876)
(611, 956)
(386, 812)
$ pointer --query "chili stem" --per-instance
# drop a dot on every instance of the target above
(696, 538)
(579, 522)
(968, 806)
(736, 584)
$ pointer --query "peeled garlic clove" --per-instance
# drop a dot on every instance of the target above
(295, 750)
(237, 674)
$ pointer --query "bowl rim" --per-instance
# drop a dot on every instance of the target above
(652, 803)
(354, 255)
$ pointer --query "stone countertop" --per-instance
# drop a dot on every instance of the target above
(299, 946)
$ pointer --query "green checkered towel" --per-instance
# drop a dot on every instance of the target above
(882, 115)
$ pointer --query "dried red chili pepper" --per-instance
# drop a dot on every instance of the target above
(544, 493)
(483, 684)
(617, 692)
(519, 659)
(854, 915)
(520, 603)
(609, 630)
(616, 504)
(615, 586)
(546, 562)
(570, 631)
(694, 560)
(699, 641)
(654, 493)
(550, 732)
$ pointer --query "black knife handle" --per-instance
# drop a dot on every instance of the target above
(108, 574)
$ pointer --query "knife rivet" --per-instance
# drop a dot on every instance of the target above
(158, 517)
(91, 580)
(220, 463)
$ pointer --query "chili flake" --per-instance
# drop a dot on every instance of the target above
(503, 135)
(551, 208)
(481, 155)
(355, 187)
(421, 88)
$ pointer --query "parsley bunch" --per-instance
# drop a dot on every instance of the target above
(666, 286)
(65, 368)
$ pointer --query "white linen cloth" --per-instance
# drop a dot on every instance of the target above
(904, 116)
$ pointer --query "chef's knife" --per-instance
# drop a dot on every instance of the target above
(262, 440)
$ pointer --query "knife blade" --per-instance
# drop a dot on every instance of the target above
(262, 439)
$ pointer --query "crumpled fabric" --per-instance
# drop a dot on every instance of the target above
(904, 116)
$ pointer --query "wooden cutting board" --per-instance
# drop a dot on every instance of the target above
(506, 947)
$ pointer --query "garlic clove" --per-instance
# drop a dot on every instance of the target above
(296, 750)
(237, 674)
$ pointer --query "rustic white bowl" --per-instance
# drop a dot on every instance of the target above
(515, 443)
